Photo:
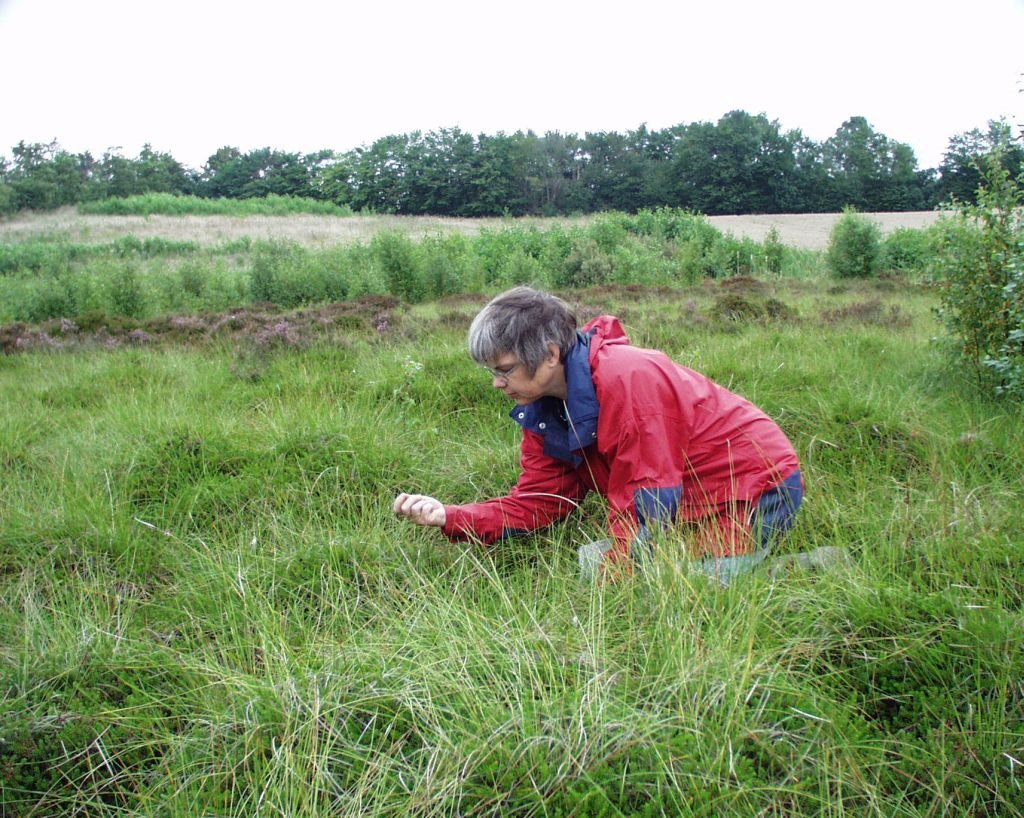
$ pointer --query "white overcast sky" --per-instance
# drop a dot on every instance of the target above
(193, 75)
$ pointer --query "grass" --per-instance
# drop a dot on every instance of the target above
(208, 608)
(53, 277)
(169, 204)
(310, 229)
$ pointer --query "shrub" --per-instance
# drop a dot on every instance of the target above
(172, 204)
(272, 263)
(854, 246)
(673, 224)
(38, 256)
(907, 251)
(586, 265)
(737, 256)
(124, 290)
(446, 264)
(192, 279)
(979, 265)
(516, 255)
(396, 255)
(57, 299)
(774, 251)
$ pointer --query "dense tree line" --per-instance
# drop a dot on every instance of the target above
(740, 164)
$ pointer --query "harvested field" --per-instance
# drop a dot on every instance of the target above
(808, 231)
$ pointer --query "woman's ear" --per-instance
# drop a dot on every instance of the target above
(554, 354)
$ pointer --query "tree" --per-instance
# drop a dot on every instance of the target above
(870, 171)
(231, 174)
(813, 190)
(614, 172)
(116, 175)
(438, 171)
(43, 176)
(378, 176)
(161, 173)
(497, 176)
(554, 168)
(741, 164)
(962, 169)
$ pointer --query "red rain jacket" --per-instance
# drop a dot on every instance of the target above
(658, 440)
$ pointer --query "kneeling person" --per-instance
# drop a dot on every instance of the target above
(661, 442)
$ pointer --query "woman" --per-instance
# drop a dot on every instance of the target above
(661, 442)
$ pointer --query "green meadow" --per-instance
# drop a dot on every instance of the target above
(208, 608)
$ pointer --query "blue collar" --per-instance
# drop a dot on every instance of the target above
(570, 427)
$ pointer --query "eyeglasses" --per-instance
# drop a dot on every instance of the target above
(503, 373)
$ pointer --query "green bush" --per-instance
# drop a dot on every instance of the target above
(447, 264)
(738, 256)
(906, 250)
(518, 254)
(128, 246)
(58, 299)
(124, 289)
(643, 262)
(171, 204)
(774, 251)
(672, 224)
(979, 266)
(286, 274)
(269, 259)
(854, 247)
(398, 259)
(38, 255)
(587, 265)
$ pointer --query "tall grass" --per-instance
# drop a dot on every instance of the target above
(54, 278)
(170, 204)
(209, 610)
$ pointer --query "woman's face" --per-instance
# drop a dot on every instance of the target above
(512, 377)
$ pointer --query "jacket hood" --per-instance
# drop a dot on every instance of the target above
(605, 329)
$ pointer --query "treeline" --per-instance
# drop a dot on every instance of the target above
(740, 164)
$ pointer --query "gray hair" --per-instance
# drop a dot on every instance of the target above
(522, 321)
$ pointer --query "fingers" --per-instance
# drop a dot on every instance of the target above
(420, 509)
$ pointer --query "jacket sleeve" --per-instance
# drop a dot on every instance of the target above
(547, 490)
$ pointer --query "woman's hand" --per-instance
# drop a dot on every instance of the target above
(420, 509)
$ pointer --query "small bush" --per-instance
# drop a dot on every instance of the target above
(854, 247)
(124, 291)
(446, 264)
(979, 265)
(192, 279)
(774, 251)
(397, 257)
(57, 299)
(276, 275)
(586, 265)
(907, 251)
